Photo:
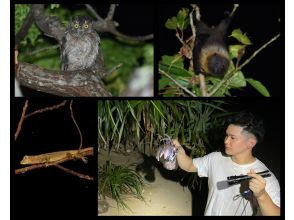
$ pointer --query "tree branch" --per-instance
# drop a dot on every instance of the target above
(111, 12)
(177, 83)
(71, 83)
(51, 108)
(80, 175)
(23, 114)
(24, 28)
(94, 13)
(132, 38)
(50, 25)
(231, 74)
(73, 118)
(89, 151)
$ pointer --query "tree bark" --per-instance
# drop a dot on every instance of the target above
(71, 83)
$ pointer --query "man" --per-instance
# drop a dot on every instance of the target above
(242, 134)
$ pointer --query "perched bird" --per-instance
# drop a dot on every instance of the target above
(80, 46)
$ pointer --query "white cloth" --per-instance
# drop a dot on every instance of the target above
(222, 198)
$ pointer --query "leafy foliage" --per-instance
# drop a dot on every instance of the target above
(180, 21)
(258, 86)
(216, 86)
(130, 56)
(119, 181)
(242, 38)
(132, 121)
(142, 123)
(20, 14)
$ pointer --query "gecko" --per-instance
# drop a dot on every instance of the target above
(54, 156)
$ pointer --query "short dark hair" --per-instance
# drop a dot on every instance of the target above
(249, 123)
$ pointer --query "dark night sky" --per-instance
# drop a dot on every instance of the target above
(133, 19)
(260, 22)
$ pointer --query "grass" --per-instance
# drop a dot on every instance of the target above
(119, 181)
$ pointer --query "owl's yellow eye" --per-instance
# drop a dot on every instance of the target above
(86, 26)
(76, 25)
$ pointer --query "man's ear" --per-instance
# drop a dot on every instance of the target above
(251, 142)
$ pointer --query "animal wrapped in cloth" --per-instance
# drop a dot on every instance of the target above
(167, 154)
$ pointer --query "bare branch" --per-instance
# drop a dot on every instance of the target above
(177, 83)
(83, 176)
(193, 27)
(73, 83)
(51, 108)
(73, 118)
(33, 53)
(110, 27)
(50, 25)
(132, 38)
(23, 114)
(111, 12)
(89, 151)
(94, 13)
(202, 85)
(24, 28)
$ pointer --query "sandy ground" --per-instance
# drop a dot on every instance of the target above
(162, 197)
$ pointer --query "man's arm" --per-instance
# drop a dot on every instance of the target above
(266, 204)
(184, 161)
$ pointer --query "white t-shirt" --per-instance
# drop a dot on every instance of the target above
(224, 199)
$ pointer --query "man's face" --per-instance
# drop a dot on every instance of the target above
(237, 141)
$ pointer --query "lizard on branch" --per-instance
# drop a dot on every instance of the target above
(57, 156)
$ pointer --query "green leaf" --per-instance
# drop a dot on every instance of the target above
(237, 34)
(234, 50)
(175, 70)
(20, 14)
(116, 52)
(171, 23)
(148, 53)
(238, 80)
(52, 6)
(221, 91)
(182, 14)
(182, 20)
(259, 87)
(163, 82)
(176, 60)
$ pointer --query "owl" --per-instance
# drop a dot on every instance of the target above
(80, 45)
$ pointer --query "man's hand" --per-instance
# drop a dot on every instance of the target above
(184, 161)
(257, 184)
(176, 143)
